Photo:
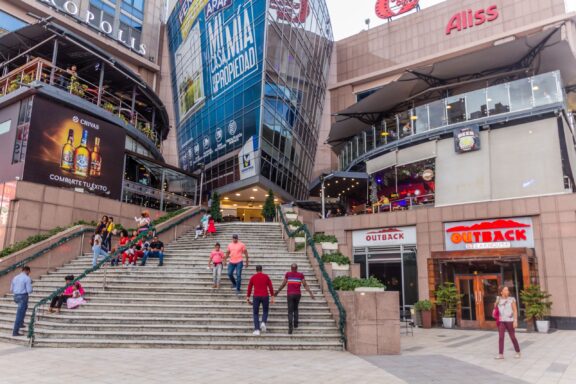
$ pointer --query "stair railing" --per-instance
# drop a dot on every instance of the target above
(152, 230)
(309, 241)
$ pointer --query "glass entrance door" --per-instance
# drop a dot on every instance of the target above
(478, 295)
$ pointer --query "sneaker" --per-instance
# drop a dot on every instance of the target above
(517, 356)
(214, 286)
(263, 327)
(256, 333)
(290, 331)
(499, 357)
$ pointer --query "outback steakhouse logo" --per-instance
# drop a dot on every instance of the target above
(387, 9)
(489, 232)
(385, 234)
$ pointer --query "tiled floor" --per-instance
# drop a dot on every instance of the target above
(430, 356)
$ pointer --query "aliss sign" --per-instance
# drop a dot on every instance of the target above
(471, 18)
(383, 237)
(489, 234)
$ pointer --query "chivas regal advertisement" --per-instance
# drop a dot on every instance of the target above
(74, 150)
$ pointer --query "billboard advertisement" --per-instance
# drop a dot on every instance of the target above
(74, 150)
(216, 48)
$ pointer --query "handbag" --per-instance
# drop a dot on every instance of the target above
(496, 313)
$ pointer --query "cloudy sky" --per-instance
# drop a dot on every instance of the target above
(348, 16)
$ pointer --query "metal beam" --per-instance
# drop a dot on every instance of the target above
(54, 60)
(100, 83)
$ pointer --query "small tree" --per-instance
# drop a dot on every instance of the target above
(537, 302)
(269, 209)
(448, 297)
(215, 208)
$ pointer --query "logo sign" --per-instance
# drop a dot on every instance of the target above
(232, 127)
(470, 18)
(467, 139)
(291, 11)
(489, 234)
(387, 9)
(384, 237)
(219, 135)
(232, 48)
(215, 6)
(96, 21)
(247, 158)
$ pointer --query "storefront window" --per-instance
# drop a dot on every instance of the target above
(545, 88)
(420, 119)
(405, 124)
(456, 109)
(437, 114)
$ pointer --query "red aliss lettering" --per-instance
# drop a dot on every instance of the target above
(470, 18)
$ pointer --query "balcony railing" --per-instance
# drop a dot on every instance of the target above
(41, 70)
(520, 95)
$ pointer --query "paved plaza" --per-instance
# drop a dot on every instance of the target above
(429, 356)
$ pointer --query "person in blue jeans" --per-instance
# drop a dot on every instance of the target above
(235, 257)
(21, 288)
(156, 250)
(97, 249)
(263, 295)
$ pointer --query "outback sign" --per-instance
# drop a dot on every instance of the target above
(384, 236)
(489, 234)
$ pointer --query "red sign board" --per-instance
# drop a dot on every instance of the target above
(293, 11)
(489, 234)
(471, 18)
(386, 9)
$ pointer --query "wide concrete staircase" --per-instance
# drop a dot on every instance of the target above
(175, 306)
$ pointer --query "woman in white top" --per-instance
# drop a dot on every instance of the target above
(508, 321)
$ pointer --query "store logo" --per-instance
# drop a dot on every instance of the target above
(71, 8)
(85, 123)
(219, 135)
(75, 119)
(386, 9)
(196, 149)
(291, 10)
(215, 6)
(500, 233)
(469, 19)
(385, 235)
(467, 139)
(206, 142)
(232, 127)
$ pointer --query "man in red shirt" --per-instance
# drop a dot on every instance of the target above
(262, 285)
(294, 280)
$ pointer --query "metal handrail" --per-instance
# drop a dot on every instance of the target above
(309, 241)
(144, 234)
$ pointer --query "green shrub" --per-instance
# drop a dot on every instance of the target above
(337, 258)
(537, 302)
(448, 297)
(322, 238)
(299, 247)
(269, 208)
(295, 223)
(345, 283)
(423, 305)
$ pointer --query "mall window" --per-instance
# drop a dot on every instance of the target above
(406, 186)
(9, 23)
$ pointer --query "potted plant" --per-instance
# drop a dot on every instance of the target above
(424, 311)
(299, 238)
(448, 297)
(294, 225)
(329, 242)
(340, 263)
(269, 208)
(291, 215)
(109, 107)
(538, 305)
(345, 283)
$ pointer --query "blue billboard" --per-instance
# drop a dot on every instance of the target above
(216, 49)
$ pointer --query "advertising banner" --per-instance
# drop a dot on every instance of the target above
(247, 158)
(467, 139)
(489, 234)
(384, 236)
(74, 150)
(217, 61)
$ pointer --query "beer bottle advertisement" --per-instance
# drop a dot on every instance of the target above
(74, 150)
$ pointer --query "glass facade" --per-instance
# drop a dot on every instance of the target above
(127, 15)
(9, 23)
(520, 95)
(249, 84)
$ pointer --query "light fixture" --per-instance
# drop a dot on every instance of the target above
(237, 194)
(336, 181)
(260, 206)
(384, 134)
(251, 197)
(235, 205)
(276, 200)
(255, 189)
(535, 88)
(448, 106)
(226, 198)
(413, 117)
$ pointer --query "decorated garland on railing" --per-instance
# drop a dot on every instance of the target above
(52, 246)
(312, 244)
(86, 272)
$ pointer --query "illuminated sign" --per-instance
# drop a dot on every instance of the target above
(73, 9)
(383, 237)
(386, 9)
(470, 18)
(489, 234)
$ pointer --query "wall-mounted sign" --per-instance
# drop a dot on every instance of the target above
(384, 236)
(470, 18)
(467, 139)
(247, 158)
(489, 234)
(72, 8)
(387, 9)
(292, 11)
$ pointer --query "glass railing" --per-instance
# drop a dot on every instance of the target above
(41, 70)
(519, 95)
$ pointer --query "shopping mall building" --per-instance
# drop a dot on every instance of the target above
(84, 126)
(452, 139)
(249, 84)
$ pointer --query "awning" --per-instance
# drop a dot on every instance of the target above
(484, 63)
(178, 180)
(340, 183)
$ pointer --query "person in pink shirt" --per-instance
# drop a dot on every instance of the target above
(57, 301)
(216, 262)
(235, 257)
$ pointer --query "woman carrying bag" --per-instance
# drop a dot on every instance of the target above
(506, 315)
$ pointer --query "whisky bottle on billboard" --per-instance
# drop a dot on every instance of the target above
(67, 159)
(96, 159)
(82, 157)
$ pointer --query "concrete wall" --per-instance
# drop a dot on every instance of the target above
(554, 219)
(36, 208)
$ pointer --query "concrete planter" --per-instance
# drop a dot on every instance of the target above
(291, 216)
(340, 270)
(448, 322)
(426, 319)
(369, 289)
(372, 322)
(543, 326)
(329, 247)
(292, 228)
(300, 240)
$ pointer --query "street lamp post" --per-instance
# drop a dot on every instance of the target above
(323, 178)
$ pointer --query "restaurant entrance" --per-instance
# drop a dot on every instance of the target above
(478, 295)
